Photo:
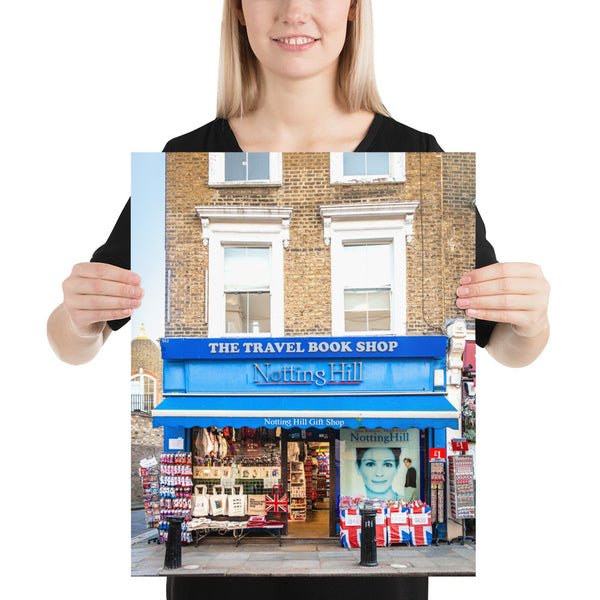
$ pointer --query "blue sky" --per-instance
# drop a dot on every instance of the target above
(148, 239)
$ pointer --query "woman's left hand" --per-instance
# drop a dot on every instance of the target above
(513, 293)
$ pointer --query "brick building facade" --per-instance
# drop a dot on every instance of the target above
(442, 247)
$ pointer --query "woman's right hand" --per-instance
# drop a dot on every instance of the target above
(96, 292)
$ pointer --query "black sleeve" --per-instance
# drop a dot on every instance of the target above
(484, 255)
(117, 250)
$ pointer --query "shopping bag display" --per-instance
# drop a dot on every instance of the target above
(276, 501)
(200, 502)
(236, 502)
(255, 504)
(421, 532)
(350, 527)
(398, 526)
(218, 501)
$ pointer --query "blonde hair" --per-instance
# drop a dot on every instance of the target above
(239, 75)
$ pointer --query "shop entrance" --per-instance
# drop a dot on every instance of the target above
(311, 484)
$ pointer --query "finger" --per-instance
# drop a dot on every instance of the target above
(501, 302)
(501, 271)
(523, 319)
(511, 285)
(100, 287)
(85, 318)
(89, 302)
(105, 271)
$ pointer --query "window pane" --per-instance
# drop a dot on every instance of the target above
(367, 310)
(367, 266)
(235, 166)
(379, 300)
(248, 312)
(354, 266)
(247, 269)
(378, 163)
(258, 165)
(379, 321)
(354, 163)
(379, 265)
(259, 313)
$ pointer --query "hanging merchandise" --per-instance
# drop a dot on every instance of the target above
(149, 475)
(175, 493)
(462, 486)
(437, 482)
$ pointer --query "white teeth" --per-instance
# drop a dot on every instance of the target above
(296, 41)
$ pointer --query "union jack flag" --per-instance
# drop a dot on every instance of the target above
(350, 527)
(398, 525)
(420, 526)
(276, 502)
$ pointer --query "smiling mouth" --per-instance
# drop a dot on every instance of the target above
(296, 41)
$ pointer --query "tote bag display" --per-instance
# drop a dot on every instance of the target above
(218, 501)
(276, 502)
(256, 504)
(236, 502)
(200, 503)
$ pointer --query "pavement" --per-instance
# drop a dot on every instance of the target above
(219, 556)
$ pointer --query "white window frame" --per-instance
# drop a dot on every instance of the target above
(244, 226)
(142, 376)
(365, 223)
(216, 172)
(397, 172)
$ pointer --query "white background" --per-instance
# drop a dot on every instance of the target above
(87, 83)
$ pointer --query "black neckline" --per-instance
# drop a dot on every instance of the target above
(362, 147)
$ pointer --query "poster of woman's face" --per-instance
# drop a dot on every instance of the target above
(376, 464)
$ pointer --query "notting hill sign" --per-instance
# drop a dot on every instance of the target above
(266, 366)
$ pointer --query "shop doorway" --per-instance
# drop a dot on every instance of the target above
(311, 485)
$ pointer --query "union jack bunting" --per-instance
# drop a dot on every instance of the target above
(276, 502)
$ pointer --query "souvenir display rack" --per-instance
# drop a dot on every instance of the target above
(462, 489)
(175, 493)
(308, 480)
(438, 483)
(322, 475)
(149, 475)
(297, 489)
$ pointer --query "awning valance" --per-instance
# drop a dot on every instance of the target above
(388, 411)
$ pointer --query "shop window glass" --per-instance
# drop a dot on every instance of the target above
(247, 286)
(367, 280)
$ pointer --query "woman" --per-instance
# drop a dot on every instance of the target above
(291, 80)
(378, 468)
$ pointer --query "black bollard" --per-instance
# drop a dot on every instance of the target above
(368, 537)
(173, 549)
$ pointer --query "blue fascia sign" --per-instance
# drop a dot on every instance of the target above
(304, 366)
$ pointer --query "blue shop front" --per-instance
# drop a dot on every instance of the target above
(325, 418)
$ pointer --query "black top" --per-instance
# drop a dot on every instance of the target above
(411, 478)
(384, 135)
